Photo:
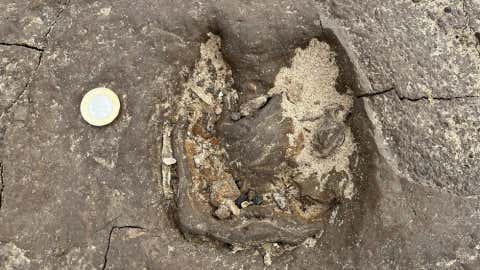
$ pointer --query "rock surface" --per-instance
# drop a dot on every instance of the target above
(74, 196)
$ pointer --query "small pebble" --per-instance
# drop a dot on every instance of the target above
(328, 137)
(235, 116)
(221, 190)
(447, 10)
(222, 212)
(245, 204)
(253, 105)
(243, 197)
(280, 200)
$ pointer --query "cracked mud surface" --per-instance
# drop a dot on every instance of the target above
(77, 197)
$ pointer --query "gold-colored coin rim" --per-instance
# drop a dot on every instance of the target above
(87, 99)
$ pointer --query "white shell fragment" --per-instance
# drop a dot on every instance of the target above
(253, 105)
(100, 106)
(169, 161)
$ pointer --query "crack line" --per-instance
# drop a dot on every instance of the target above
(2, 185)
(105, 257)
(436, 98)
(25, 87)
(378, 93)
(23, 45)
(57, 17)
(8, 109)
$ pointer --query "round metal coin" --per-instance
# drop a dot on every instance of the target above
(100, 107)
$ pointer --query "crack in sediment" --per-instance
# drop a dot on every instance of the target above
(25, 87)
(437, 98)
(23, 45)
(2, 185)
(40, 57)
(57, 17)
(428, 98)
(105, 257)
(376, 93)
(321, 23)
(33, 47)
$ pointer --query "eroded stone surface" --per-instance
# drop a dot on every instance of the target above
(29, 23)
(415, 46)
(61, 198)
(443, 152)
(18, 65)
(13, 257)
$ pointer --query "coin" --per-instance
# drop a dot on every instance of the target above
(100, 106)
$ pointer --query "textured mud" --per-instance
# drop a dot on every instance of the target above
(74, 196)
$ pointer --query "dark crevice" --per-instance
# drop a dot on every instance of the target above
(415, 99)
(41, 51)
(25, 88)
(57, 17)
(321, 23)
(23, 45)
(108, 224)
(49, 30)
(112, 230)
(2, 185)
(477, 36)
(437, 98)
(265, 104)
(376, 93)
